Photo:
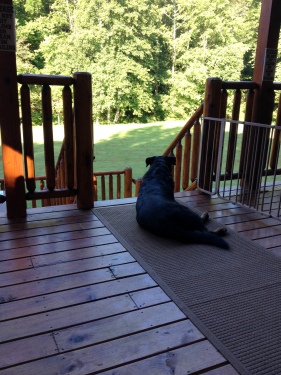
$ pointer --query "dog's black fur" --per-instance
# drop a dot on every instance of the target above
(161, 214)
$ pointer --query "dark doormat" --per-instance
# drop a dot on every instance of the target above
(233, 296)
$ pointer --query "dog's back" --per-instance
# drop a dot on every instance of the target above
(158, 212)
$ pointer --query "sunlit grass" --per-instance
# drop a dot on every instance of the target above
(115, 146)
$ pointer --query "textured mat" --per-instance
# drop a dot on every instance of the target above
(233, 296)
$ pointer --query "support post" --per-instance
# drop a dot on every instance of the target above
(211, 109)
(9, 116)
(265, 60)
(263, 106)
(128, 182)
(84, 139)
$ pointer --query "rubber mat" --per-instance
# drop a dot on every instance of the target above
(233, 296)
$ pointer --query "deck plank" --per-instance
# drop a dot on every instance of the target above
(97, 242)
(19, 291)
(117, 326)
(57, 237)
(75, 301)
(65, 317)
(54, 229)
(69, 297)
(186, 360)
(96, 358)
(31, 348)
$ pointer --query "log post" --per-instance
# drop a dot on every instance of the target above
(128, 182)
(265, 60)
(211, 109)
(9, 116)
(177, 175)
(138, 186)
(264, 73)
(195, 149)
(48, 137)
(84, 139)
(186, 159)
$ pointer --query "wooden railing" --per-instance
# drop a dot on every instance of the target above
(106, 185)
(78, 141)
(234, 101)
(223, 99)
(106, 188)
(187, 155)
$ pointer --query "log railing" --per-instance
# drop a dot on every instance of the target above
(108, 185)
(78, 141)
(185, 147)
(234, 101)
(223, 99)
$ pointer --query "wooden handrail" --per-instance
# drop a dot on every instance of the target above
(241, 85)
(109, 193)
(187, 126)
(41, 79)
(276, 85)
(187, 155)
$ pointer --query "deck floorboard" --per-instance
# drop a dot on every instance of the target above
(73, 300)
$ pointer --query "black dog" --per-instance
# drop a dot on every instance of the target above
(161, 214)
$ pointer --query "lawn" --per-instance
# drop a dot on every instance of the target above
(120, 146)
(115, 146)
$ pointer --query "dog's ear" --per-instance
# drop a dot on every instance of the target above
(150, 160)
(171, 160)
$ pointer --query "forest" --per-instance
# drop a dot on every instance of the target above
(149, 59)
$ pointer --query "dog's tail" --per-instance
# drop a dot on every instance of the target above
(207, 238)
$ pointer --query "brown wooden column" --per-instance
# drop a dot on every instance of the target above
(265, 61)
(9, 115)
(264, 72)
(84, 139)
(212, 103)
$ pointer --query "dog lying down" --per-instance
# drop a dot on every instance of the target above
(161, 214)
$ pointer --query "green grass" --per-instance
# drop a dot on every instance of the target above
(130, 145)
(115, 146)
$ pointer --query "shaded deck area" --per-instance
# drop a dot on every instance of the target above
(74, 301)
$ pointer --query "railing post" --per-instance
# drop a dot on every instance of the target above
(128, 183)
(177, 174)
(138, 186)
(48, 137)
(212, 108)
(195, 149)
(186, 160)
(9, 117)
(84, 139)
(263, 106)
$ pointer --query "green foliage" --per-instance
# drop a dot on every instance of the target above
(149, 59)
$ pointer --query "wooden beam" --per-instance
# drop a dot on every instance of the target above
(84, 139)
(265, 61)
(212, 103)
(264, 74)
(9, 115)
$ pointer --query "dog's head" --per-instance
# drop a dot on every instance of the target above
(168, 160)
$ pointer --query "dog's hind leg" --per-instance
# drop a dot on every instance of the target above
(220, 231)
(205, 217)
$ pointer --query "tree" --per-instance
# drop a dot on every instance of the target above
(149, 59)
(211, 40)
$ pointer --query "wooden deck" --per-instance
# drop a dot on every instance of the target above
(74, 301)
